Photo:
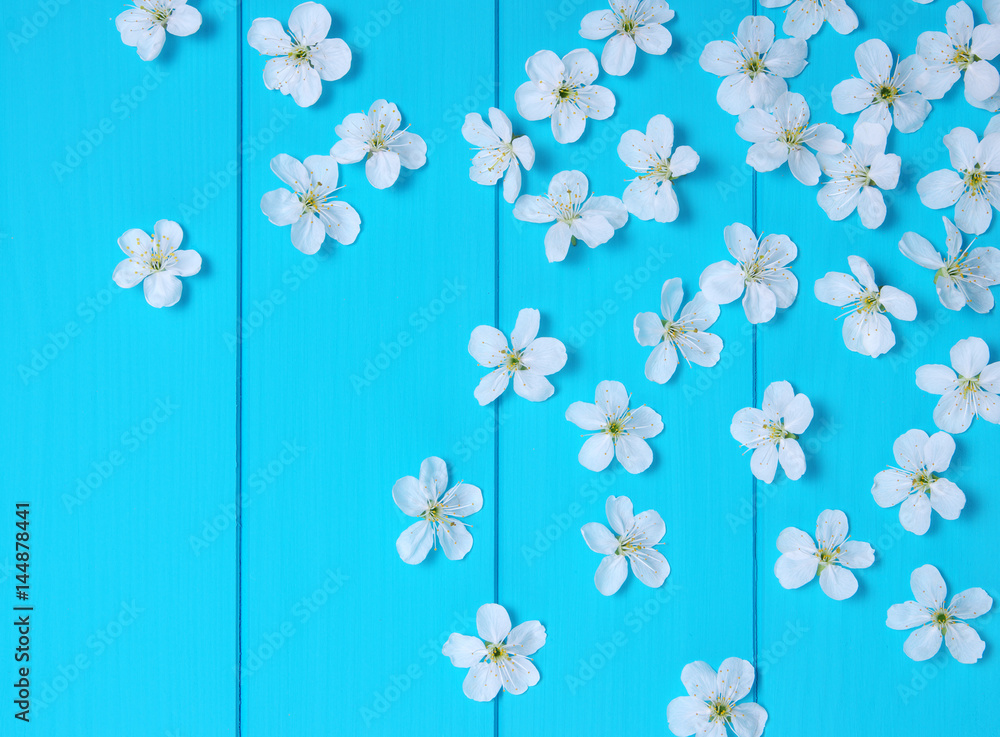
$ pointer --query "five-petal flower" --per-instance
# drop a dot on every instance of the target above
(527, 361)
(755, 67)
(964, 47)
(617, 431)
(974, 185)
(303, 60)
(146, 24)
(563, 90)
(806, 17)
(438, 508)
(772, 432)
(858, 175)
(673, 333)
(499, 152)
(377, 136)
(577, 214)
(710, 705)
(916, 485)
(500, 658)
(156, 262)
(311, 208)
(632, 541)
(783, 134)
(866, 330)
(759, 273)
(830, 556)
(968, 391)
(937, 622)
(881, 94)
(633, 23)
(652, 156)
(965, 277)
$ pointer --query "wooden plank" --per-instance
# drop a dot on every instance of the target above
(698, 481)
(807, 641)
(120, 417)
(363, 365)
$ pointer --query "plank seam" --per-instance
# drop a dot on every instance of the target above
(496, 313)
(239, 371)
(753, 486)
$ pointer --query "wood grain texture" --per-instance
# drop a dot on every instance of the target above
(292, 391)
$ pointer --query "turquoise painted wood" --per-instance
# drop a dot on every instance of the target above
(212, 525)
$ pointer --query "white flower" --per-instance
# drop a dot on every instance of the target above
(858, 175)
(772, 432)
(303, 60)
(499, 151)
(632, 542)
(759, 270)
(311, 208)
(156, 262)
(806, 17)
(782, 134)
(936, 621)
(576, 213)
(145, 25)
(711, 701)
(866, 330)
(916, 483)
(882, 95)
(801, 559)
(634, 23)
(437, 507)
(653, 158)
(965, 277)
(377, 136)
(755, 67)
(499, 661)
(686, 333)
(964, 48)
(968, 391)
(617, 430)
(974, 186)
(529, 361)
(563, 90)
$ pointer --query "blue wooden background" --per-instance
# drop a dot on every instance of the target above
(288, 392)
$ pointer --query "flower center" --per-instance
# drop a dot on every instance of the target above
(753, 270)
(496, 652)
(720, 710)
(568, 92)
(299, 52)
(158, 13)
(968, 385)
(776, 431)
(941, 619)
(512, 360)
(434, 513)
(616, 428)
(963, 57)
(922, 481)
(754, 64)
(869, 302)
(792, 137)
(659, 172)
(886, 93)
(975, 180)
